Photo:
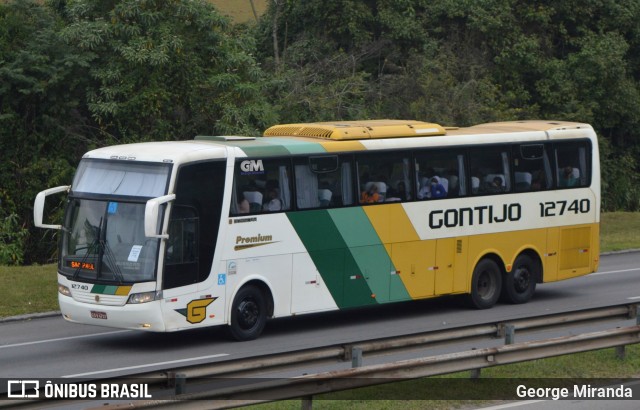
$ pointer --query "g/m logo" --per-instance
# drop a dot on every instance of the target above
(252, 166)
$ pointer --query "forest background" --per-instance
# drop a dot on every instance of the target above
(81, 74)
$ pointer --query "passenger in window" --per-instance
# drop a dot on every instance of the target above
(436, 189)
(273, 203)
(539, 181)
(399, 193)
(243, 204)
(452, 176)
(425, 191)
(495, 186)
(254, 196)
(568, 178)
(371, 195)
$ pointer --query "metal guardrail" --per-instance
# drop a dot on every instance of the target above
(371, 375)
(306, 386)
(344, 352)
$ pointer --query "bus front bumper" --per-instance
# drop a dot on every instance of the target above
(143, 316)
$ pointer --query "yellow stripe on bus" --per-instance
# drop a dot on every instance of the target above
(410, 255)
(339, 146)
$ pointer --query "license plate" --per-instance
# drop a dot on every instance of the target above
(98, 315)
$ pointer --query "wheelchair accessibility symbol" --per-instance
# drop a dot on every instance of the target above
(222, 279)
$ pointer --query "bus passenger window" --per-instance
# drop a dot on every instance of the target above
(572, 165)
(384, 177)
(440, 174)
(490, 170)
(261, 186)
(531, 168)
(323, 181)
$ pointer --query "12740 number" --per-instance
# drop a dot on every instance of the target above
(559, 208)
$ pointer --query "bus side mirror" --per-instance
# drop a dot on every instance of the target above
(151, 212)
(38, 206)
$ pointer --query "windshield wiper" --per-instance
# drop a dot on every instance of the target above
(90, 248)
(107, 253)
(111, 259)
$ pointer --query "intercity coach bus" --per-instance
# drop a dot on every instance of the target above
(230, 230)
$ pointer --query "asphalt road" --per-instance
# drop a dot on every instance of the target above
(52, 348)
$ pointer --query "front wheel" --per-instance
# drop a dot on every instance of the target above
(486, 284)
(248, 314)
(520, 283)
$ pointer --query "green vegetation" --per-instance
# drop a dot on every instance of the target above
(619, 231)
(76, 75)
(11, 236)
(28, 289)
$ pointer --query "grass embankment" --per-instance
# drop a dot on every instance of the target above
(619, 231)
(28, 289)
(32, 289)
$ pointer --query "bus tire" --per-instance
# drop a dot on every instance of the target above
(520, 284)
(486, 284)
(248, 314)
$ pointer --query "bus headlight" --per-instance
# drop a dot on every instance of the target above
(144, 297)
(64, 290)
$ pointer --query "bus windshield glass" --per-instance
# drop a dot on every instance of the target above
(103, 237)
(104, 242)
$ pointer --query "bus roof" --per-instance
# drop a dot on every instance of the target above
(341, 136)
(166, 151)
(518, 126)
(346, 136)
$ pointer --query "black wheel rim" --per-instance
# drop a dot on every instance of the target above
(521, 279)
(248, 313)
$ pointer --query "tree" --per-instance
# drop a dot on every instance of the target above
(166, 69)
(38, 107)
(76, 75)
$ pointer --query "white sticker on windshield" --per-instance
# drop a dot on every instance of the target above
(135, 253)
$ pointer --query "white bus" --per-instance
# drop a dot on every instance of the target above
(316, 217)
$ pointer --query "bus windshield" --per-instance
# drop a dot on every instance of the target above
(103, 238)
(104, 241)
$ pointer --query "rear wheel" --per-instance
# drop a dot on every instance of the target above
(248, 314)
(520, 283)
(486, 284)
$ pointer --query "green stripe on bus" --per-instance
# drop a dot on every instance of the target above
(298, 147)
(104, 289)
(334, 261)
(98, 289)
(369, 253)
(256, 148)
(259, 148)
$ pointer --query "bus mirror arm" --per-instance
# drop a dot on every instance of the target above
(38, 206)
(151, 212)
